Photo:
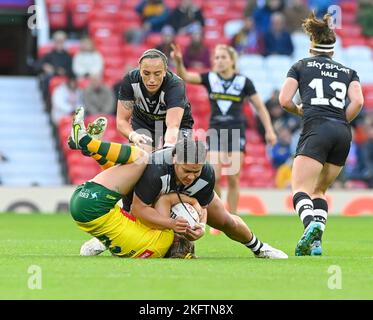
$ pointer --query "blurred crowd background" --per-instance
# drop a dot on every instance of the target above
(82, 52)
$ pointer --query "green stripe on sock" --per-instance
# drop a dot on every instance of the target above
(84, 141)
(104, 148)
(102, 161)
(124, 154)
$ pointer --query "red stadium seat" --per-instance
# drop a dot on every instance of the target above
(114, 61)
(182, 40)
(368, 102)
(46, 48)
(56, 81)
(73, 49)
(368, 89)
(153, 40)
(109, 42)
(57, 13)
(369, 42)
(98, 15)
(98, 29)
(353, 30)
(129, 5)
(80, 10)
(128, 25)
(129, 16)
(133, 50)
(110, 51)
(349, 6)
(253, 137)
(83, 83)
(354, 41)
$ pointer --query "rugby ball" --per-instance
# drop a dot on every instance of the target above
(186, 211)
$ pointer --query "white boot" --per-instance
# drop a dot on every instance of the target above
(267, 252)
(92, 247)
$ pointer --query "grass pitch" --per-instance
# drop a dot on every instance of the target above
(225, 269)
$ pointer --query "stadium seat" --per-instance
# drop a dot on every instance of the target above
(99, 29)
(44, 49)
(354, 41)
(264, 88)
(182, 40)
(57, 13)
(358, 53)
(55, 82)
(353, 30)
(251, 62)
(231, 27)
(109, 6)
(109, 51)
(80, 10)
(349, 7)
(153, 40)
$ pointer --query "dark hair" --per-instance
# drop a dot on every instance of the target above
(188, 151)
(154, 54)
(319, 30)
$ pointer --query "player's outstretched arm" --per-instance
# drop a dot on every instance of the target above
(173, 120)
(182, 72)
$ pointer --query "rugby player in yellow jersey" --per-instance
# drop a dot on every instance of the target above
(94, 206)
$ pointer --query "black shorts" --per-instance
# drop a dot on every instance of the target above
(325, 140)
(226, 139)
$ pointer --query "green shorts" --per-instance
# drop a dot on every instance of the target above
(91, 201)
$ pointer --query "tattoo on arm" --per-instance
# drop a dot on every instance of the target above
(128, 104)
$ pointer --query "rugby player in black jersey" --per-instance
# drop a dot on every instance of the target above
(182, 169)
(324, 85)
(227, 90)
(152, 105)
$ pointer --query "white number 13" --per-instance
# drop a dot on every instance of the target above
(340, 93)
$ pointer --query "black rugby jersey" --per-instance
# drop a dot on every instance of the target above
(323, 84)
(159, 178)
(151, 108)
(226, 98)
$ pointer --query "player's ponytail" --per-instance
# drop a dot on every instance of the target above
(321, 35)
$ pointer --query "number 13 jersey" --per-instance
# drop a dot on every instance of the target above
(323, 84)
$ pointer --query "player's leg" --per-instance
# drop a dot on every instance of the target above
(305, 173)
(328, 175)
(111, 151)
(236, 229)
(234, 181)
(96, 130)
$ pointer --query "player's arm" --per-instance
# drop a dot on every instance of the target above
(286, 96)
(264, 118)
(183, 73)
(173, 120)
(153, 219)
(124, 113)
(172, 199)
(356, 97)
